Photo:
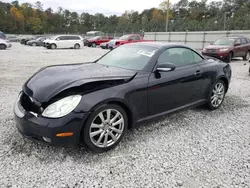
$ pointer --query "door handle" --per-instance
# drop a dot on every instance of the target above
(198, 73)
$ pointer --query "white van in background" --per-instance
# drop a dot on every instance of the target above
(64, 41)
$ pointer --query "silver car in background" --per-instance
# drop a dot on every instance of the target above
(4, 44)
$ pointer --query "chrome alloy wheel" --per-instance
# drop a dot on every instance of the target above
(218, 94)
(106, 128)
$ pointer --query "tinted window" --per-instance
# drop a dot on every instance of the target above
(179, 57)
(133, 57)
(2, 35)
(63, 37)
(244, 41)
(135, 37)
(238, 41)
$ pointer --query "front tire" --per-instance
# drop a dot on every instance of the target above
(105, 128)
(53, 46)
(93, 45)
(217, 95)
(33, 44)
(229, 57)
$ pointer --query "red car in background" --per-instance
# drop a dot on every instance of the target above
(228, 47)
(96, 41)
(126, 39)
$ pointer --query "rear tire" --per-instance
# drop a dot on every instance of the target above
(217, 95)
(110, 127)
(33, 44)
(93, 45)
(3, 46)
(247, 56)
(77, 46)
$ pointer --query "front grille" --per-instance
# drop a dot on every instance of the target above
(211, 50)
(28, 104)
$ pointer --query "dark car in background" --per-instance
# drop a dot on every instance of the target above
(37, 42)
(227, 48)
(26, 39)
(95, 103)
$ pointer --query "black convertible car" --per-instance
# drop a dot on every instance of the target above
(95, 103)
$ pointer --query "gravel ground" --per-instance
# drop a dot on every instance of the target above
(192, 148)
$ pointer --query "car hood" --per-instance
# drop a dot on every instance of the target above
(50, 81)
(217, 46)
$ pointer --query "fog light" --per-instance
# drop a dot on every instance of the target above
(46, 139)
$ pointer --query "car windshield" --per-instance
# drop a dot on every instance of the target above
(128, 57)
(125, 37)
(225, 41)
(39, 38)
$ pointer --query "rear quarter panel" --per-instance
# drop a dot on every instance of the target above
(212, 71)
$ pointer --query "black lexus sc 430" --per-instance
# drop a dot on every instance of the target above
(94, 103)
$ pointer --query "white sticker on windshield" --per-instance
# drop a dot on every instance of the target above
(146, 53)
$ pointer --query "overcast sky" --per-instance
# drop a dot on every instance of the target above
(106, 7)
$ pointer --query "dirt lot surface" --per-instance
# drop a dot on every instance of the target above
(192, 148)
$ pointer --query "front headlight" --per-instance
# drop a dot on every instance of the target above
(224, 50)
(62, 107)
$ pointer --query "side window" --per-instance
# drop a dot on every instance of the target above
(63, 37)
(179, 57)
(197, 57)
(135, 37)
(243, 41)
(238, 41)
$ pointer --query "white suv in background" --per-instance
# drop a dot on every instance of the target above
(4, 44)
(64, 41)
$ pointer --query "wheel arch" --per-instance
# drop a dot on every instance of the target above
(225, 80)
(3, 45)
(120, 103)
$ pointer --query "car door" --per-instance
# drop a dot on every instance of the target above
(238, 49)
(177, 88)
(245, 44)
(60, 41)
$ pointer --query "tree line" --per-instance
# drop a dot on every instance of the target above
(185, 15)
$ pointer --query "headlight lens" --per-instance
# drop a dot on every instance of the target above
(62, 107)
(224, 50)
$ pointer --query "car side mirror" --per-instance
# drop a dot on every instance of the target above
(165, 67)
(58, 39)
(237, 44)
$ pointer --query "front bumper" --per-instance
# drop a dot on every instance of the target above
(44, 130)
(221, 56)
